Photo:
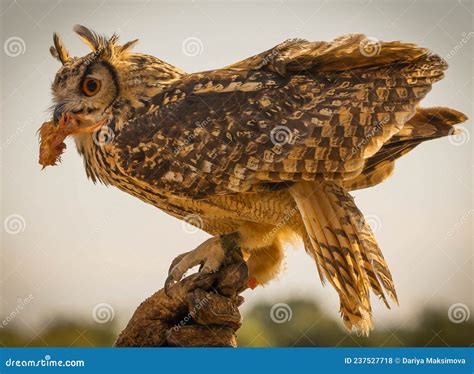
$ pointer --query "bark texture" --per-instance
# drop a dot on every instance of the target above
(199, 311)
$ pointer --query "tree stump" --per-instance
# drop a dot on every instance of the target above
(200, 311)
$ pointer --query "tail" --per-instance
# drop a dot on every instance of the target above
(426, 124)
(345, 250)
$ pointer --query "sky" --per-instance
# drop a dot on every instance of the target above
(68, 245)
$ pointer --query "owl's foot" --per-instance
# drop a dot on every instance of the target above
(209, 255)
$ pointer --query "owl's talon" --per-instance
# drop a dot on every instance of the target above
(209, 255)
(169, 283)
(176, 260)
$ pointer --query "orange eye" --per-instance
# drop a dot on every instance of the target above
(90, 86)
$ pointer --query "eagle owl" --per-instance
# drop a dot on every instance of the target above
(259, 151)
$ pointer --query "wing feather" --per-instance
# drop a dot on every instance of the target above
(301, 111)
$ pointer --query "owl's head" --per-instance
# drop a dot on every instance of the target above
(110, 81)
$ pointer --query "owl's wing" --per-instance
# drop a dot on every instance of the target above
(300, 111)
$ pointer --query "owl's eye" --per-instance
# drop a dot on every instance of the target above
(90, 86)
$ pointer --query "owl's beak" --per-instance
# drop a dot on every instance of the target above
(76, 122)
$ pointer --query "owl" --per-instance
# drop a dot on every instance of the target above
(258, 152)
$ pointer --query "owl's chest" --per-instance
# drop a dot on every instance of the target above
(217, 214)
(101, 165)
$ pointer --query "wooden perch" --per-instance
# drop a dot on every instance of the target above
(200, 311)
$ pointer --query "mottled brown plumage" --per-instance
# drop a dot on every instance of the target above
(263, 149)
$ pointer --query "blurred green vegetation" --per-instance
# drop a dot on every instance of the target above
(62, 333)
(309, 326)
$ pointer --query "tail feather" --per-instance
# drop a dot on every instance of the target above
(325, 257)
(317, 256)
(429, 123)
(337, 234)
(373, 263)
(426, 124)
(345, 250)
(341, 243)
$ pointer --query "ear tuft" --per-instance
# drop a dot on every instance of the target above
(54, 52)
(59, 51)
(107, 47)
(89, 37)
(128, 46)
